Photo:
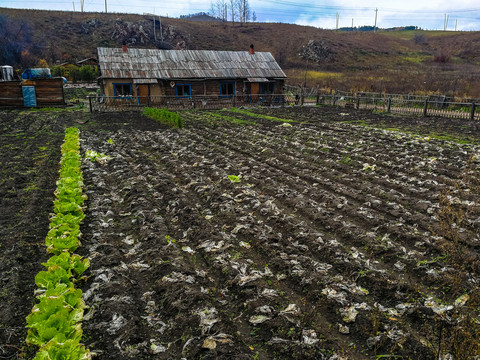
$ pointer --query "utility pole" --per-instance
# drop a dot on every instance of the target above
(456, 22)
(154, 25)
(338, 17)
(73, 2)
(154, 32)
(105, 6)
(161, 32)
(352, 24)
(375, 27)
(445, 22)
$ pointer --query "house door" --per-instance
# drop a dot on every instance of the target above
(143, 92)
(254, 87)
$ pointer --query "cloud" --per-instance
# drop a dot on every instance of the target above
(427, 15)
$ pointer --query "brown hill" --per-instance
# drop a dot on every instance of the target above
(391, 61)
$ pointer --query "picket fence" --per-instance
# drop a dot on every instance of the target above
(434, 105)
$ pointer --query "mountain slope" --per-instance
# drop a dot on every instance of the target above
(430, 61)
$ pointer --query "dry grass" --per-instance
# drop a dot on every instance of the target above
(393, 61)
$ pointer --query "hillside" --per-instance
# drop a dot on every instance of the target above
(392, 61)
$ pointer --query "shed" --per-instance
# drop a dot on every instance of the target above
(142, 73)
(88, 61)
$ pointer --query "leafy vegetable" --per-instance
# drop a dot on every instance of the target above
(54, 275)
(69, 262)
(69, 350)
(55, 322)
(164, 116)
(53, 319)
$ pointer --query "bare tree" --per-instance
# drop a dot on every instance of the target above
(219, 9)
(239, 10)
(233, 12)
(243, 8)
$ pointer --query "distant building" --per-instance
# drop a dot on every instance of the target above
(201, 16)
(141, 73)
(88, 61)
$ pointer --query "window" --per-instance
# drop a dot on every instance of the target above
(183, 90)
(268, 88)
(227, 89)
(122, 90)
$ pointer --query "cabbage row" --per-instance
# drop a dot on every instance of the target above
(55, 321)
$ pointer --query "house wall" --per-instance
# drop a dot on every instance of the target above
(206, 87)
(198, 88)
(155, 89)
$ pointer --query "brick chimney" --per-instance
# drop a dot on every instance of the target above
(252, 51)
(124, 47)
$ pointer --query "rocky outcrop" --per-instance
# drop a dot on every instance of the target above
(317, 52)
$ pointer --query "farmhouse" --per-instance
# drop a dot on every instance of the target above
(144, 73)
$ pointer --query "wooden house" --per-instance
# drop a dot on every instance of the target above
(144, 73)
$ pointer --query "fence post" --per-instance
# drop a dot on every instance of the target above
(334, 99)
(425, 108)
(90, 103)
(318, 99)
(358, 102)
(389, 104)
(234, 99)
(472, 113)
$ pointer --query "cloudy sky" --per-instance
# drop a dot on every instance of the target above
(430, 15)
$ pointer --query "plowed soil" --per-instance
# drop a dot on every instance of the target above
(334, 235)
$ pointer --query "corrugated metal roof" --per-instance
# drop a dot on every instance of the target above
(186, 64)
(259, 80)
(145, 81)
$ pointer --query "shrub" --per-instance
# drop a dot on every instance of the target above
(442, 57)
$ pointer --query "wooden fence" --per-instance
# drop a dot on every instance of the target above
(47, 92)
(207, 102)
(389, 103)
(406, 104)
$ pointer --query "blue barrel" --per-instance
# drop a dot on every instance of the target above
(29, 96)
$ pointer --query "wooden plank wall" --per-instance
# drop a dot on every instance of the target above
(48, 92)
(11, 93)
(212, 87)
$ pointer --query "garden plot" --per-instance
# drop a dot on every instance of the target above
(30, 143)
(312, 239)
(29, 155)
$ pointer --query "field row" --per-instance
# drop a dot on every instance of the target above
(312, 239)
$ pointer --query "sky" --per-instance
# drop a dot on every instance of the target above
(461, 15)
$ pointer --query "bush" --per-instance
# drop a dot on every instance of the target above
(75, 74)
(442, 57)
(58, 71)
(88, 73)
